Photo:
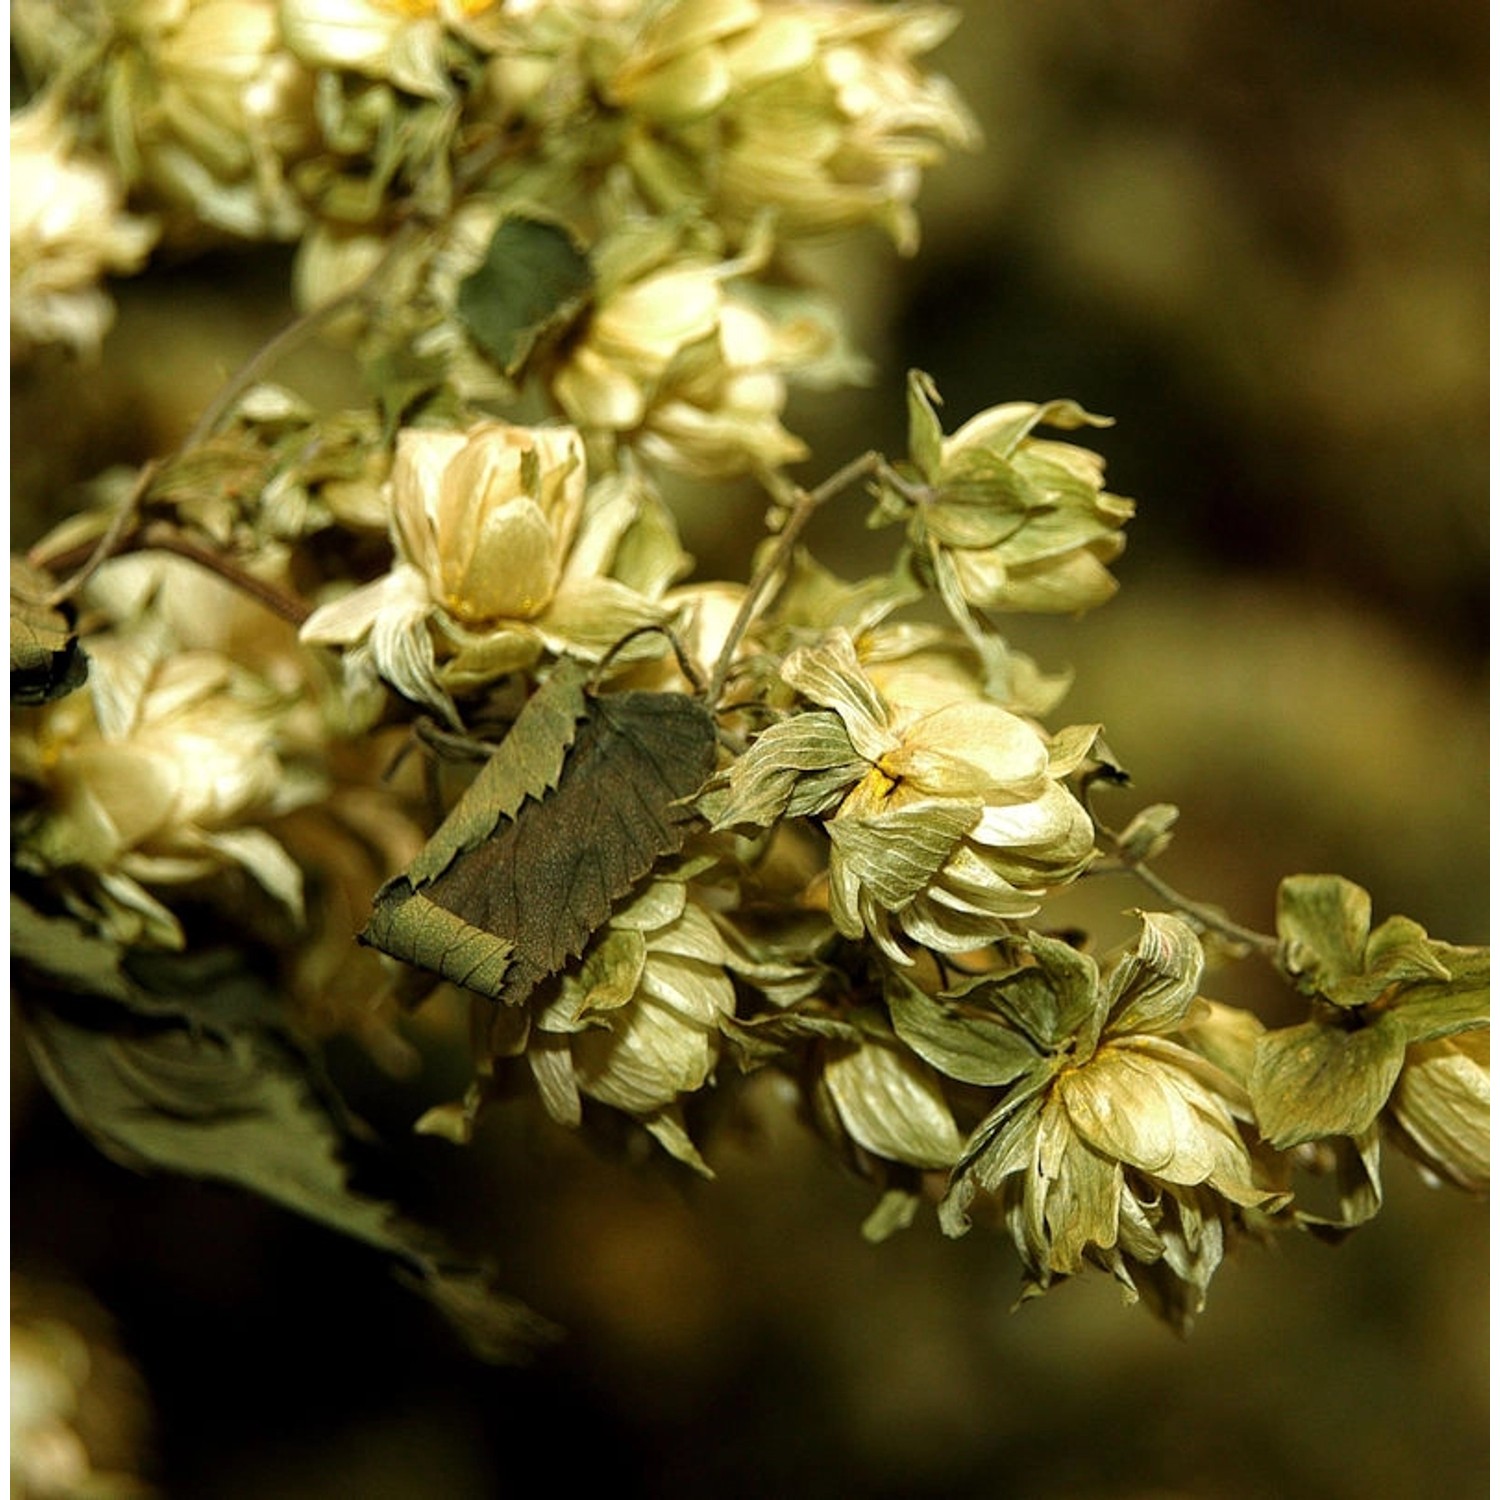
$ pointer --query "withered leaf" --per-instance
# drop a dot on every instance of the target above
(513, 885)
(534, 280)
(46, 661)
(183, 1063)
(1316, 1080)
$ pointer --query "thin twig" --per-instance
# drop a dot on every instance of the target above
(282, 342)
(159, 537)
(805, 503)
(113, 540)
(1205, 916)
(120, 536)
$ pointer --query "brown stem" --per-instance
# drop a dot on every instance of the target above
(803, 504)
(118, 539)
(1195, 911)
(114, 540)
(159, 537)
(287, 339)
(1205, 916)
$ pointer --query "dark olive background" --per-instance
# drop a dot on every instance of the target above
(1255, 234)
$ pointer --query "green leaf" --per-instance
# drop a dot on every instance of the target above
(526, 763)
(1323, 922)
(238, 1100)
(239, 1106)
(1398, 953)
(1313, 1080)
(402, 375)
(533, 282)
(963, 1042)
(507, 898)
(65, 954)
(1052, 1000)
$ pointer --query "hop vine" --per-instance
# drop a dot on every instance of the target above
(328, 708)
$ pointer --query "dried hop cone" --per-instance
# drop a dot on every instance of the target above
(163, 772)
(1114, 1143)
(502, 552)
(68, 230)
(945, 824)
(1006, 520)
(637, 1026)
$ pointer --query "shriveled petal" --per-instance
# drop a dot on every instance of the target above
(422, 457)
(1000, 429)
(644, 325)
(1083, 1204)
(123, 789)
(968, 747)
(1442, 1103)
(680, 89)
(933, 924)
(272, 867)
(689, 934)
(719, 443)
(587, 619)
(390, 615)
(1058, 586)
(348, 619)
(649, 1057)
(596, 393)
(896, 853)
(1126, 1109)
(697, 991)
(830, 675)
(341, 34)
(1053, 821)
(1152, 986)
(967, 883)
(892, 1103)
(777, 44)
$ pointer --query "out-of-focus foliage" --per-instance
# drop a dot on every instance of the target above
(1254, 239)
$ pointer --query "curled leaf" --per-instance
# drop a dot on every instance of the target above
(533, 858)
(46, 661)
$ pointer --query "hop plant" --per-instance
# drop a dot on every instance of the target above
(667, 830)
(1116, 1143)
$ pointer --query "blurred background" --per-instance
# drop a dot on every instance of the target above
(1256, 235)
